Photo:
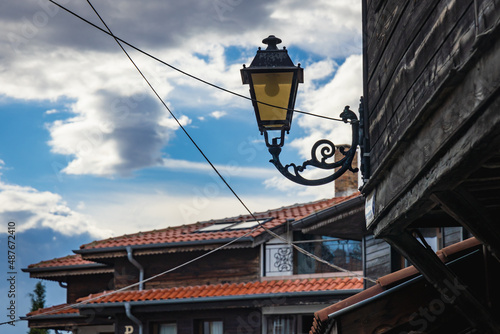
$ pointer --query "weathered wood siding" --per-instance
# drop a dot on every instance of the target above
(413, 48)
(377, 257)
(234, 265)
(452, 235)
(429, 66)
(247, 321)
(78, 286)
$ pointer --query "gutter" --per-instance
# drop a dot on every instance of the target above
(132, 317)
(338, 313)
(137, 265)
(160, 245)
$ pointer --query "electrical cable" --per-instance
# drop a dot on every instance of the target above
(212, 165)
(184, 72)
(260, 225)
(101, 295)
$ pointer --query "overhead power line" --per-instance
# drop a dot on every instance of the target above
(118, 39)
(260, 225)
(208, 160)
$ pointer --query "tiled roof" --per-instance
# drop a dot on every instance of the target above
(188, 233)
(234, 289)
(54, 310)
(67, 261)
(384, 283)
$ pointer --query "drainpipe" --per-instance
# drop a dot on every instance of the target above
(132, 317)
(137, 265)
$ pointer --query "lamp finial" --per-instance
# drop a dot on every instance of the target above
(271, 42)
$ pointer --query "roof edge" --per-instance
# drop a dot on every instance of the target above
(323, 214)
(224, 298)
(160, 245)
(70, 267)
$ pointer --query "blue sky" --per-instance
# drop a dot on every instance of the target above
(88, 152)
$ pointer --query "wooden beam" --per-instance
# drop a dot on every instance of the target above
(445, 281)
(465, 209)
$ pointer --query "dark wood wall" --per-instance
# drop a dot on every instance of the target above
(225, 266)
(84, 285)
(377, 258)
(412, 49)
(236, 321)
(429, 65)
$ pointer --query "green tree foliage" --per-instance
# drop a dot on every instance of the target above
(38, 302)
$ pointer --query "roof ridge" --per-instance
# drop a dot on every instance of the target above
(185, 232)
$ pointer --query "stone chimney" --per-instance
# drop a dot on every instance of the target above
(347, 184)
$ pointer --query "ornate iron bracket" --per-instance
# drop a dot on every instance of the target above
(326, 150)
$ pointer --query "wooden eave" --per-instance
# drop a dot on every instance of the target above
(61, 273)
(66, 321)
(394, 303)
(345, 220)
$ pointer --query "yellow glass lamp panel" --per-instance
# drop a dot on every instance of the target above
(274, 89)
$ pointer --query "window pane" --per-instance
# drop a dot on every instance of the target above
(279, 260)
(216, 327)
(281, 324)
(168, 329)
(211, 327)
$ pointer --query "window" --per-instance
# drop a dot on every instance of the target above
(281, 324)
(211, 327)
(278, 260)
(167, 329)
(163, 328)
(343, 253)
(281, 259)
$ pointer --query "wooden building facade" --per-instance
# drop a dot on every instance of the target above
(149, 283)
(432, 112)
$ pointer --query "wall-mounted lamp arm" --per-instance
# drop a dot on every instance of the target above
(326, 150)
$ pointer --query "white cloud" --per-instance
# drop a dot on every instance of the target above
(218, 114)
(233, 169)
(117, 126)
(112, 134)
(345, 88)
(31, 209)
(51, 55)
(144, 211)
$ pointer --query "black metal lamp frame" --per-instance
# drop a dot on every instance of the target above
(326, 150)
(273, 60)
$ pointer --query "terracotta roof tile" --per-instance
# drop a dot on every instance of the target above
(385, 283)
(53, 310)
(190, 232)
(234, 289)
(70, 260)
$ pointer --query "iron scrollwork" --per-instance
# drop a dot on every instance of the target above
(283, 259)
(326, 150)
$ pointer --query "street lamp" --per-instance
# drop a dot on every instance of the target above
(273, 81)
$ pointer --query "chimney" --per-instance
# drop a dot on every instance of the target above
(347, 184)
